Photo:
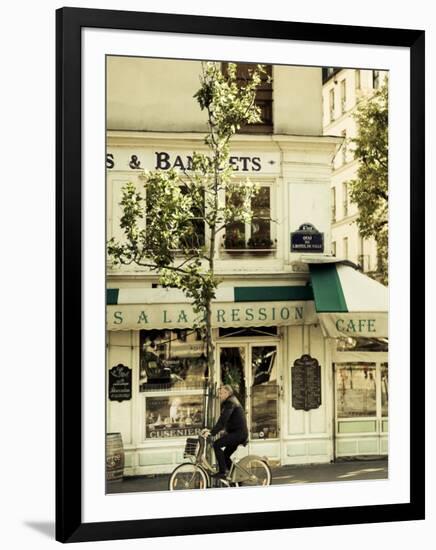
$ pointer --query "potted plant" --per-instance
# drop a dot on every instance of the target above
(262, 244)
(234, 241)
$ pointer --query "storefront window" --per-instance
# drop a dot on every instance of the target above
(174, 416)
(384, 389)
(232, 361)
(171, 360)
(264, 397)
(355, 390)
(362, 344)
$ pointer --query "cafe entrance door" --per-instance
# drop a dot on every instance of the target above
(252, 370)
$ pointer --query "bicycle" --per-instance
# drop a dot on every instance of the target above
(251, 470)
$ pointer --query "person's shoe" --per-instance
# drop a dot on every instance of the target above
(218, 475)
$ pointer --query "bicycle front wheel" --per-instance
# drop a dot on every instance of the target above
(253, 471)
(188, 476)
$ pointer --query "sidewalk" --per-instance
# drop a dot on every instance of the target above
(312, 473)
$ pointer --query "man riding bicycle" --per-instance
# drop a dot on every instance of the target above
(232, 420)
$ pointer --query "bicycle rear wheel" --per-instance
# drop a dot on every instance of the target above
(253, 471)
(188, 476)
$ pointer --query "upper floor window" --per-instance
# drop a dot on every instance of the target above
(333, 193)
(346, 248)
(264, 97)
(343, 96)
(357, 79)
(257, 235)
(332, 104)
(345, 199)
(376, 79)
(195, 236)
(364, 260)
(333, 248)
(344, 147)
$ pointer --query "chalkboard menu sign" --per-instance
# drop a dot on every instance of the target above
(120, 383)
(306, 383)
(307, 239)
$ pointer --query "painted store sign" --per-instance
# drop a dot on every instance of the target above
(136, 316)
(363, 324)
(160, 159)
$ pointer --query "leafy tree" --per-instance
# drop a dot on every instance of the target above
(370, 189)
(162, 225)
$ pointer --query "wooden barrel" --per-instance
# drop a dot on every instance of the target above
(114, 457)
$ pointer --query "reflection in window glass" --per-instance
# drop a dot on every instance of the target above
(384, 389)
(264, 418)
(260, 224)
(174, 416)
(361, 344)
(355, 389)
(232, 361)
(256, 235)
(171, 360)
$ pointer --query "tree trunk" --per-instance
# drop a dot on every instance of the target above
(210, 413)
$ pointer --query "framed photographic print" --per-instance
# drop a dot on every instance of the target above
(240, 216)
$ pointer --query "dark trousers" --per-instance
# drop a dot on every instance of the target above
(225, 446)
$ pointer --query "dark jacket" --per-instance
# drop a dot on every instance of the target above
(232, 418)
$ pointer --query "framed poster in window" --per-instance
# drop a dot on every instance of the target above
(114, 141)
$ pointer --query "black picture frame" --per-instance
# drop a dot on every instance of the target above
(69, 23)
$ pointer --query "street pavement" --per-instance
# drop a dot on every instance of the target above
(307, 473)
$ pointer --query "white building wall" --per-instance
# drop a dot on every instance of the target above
(308, 435)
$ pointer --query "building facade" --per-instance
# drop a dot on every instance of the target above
(342, 91)
(283, 317)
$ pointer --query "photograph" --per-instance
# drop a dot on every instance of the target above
(247, 273)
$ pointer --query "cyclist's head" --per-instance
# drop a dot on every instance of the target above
(225, 391)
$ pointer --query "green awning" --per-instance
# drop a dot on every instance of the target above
(348, 302)
(327, 289)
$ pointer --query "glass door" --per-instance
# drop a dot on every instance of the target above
(264, 392)
(233, 370)
(251, 369)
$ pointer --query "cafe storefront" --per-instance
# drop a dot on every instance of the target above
(352, 309)
(311, 374)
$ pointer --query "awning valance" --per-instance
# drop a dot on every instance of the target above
(348, 302)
